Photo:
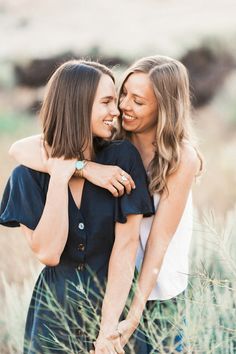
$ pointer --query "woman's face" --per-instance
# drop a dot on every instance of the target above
(104, 108)
(138, 104)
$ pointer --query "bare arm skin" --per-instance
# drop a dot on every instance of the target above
(165, 223)
(120, 276)
(48, 240)
(27, 152)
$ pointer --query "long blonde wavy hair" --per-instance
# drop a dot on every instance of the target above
(170, 82)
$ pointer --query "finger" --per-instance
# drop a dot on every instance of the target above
(116, 340)
(114, 336)
(130, 179)
(113, 191)
(125, 182)
(118, 346)
(119, 186)
(123, 341)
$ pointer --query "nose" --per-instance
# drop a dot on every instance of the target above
(114, 110)
(124, 104)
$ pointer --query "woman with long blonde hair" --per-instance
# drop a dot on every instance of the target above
(154, 101)
(78, 230)
(156, 116)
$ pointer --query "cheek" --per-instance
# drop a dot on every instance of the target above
(102, 111)
(152, 114)
(97, 114)
(142, 111)
(148, 117)
(152, 120)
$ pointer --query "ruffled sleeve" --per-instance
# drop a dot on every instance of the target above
(23, 199)
(139, 200)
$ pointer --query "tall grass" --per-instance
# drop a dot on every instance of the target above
(210, 302)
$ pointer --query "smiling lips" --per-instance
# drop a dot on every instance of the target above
(128, 118)
(108, 123)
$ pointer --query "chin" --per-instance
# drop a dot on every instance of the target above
(128, 128)
(108, 135)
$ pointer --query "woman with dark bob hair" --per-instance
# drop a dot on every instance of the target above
(86, 238)
(155, 115)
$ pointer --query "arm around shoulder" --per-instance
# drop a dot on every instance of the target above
(27, 152)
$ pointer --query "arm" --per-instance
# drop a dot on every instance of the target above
(48, 240)
(120, 275)
(165, 223)
(28, 152)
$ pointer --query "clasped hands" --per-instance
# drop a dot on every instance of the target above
(114, 342)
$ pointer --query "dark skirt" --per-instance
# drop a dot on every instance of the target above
(64, 314)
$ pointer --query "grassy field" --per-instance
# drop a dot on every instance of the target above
(39, 29)
(211, 299)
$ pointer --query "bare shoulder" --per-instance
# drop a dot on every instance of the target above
(189, 159)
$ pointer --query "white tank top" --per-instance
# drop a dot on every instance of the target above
(173, 276)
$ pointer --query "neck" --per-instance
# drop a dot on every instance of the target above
(87, 154)
(144, 143)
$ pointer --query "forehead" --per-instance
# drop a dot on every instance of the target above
(140, 84)
(106, 87)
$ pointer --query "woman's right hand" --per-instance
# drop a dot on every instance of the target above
(112, 178)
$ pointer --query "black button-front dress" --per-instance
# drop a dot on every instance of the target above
(64, 312)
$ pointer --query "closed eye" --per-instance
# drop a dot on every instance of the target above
(138, 103)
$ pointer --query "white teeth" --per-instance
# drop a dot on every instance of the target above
(108, 122)
(128, 117)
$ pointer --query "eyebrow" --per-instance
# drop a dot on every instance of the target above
(138, 96)
(135, 94)
(107, 98)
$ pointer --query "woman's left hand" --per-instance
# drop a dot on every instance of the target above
(124, 331)
(103, 345)
(120, 336)
(108, 345)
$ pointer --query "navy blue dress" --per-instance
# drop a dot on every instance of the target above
(65, 308)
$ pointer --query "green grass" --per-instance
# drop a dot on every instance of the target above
(16, 124)
(210, 301)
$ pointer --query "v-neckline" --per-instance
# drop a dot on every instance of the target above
(82, 196)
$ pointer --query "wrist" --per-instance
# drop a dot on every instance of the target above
(79, 168)
(86, 169)
(59, 178)
(109, 326)
(107, 330)
(134, 316)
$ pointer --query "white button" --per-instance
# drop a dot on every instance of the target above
(81, 226)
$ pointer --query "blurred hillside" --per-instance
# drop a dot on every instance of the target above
(31, 28)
